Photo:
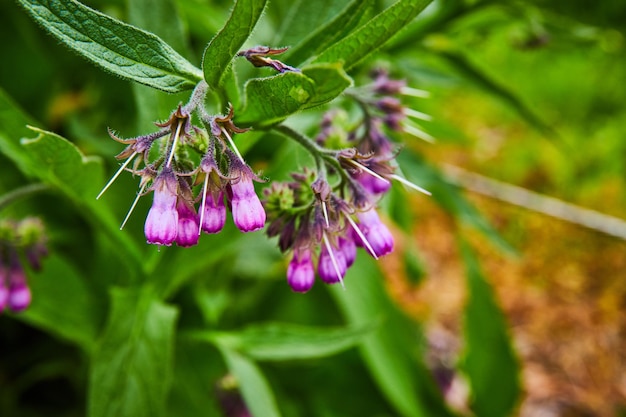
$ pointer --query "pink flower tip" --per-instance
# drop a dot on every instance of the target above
(300, 273)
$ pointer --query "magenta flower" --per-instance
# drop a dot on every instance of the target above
(348, 249)
(188, 224)
(19, 293)
(375, 232)
(300, 273)
(214, 216)
(161, 225)
(372, 184)
(331, 266)
(248, 212)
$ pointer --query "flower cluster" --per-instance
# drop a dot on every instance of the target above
(23, 239)
(322, 224)
(184, 166)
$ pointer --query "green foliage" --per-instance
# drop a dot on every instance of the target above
(158, 329)
(124, 50)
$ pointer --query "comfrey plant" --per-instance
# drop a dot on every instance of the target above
(292, 138)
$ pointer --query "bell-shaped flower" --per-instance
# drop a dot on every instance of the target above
(378, 237)
(214, 212)
(161, 225)
(348, 249)
(248, 212)
(188, 223)
(332, 265)
(19, 293)
(300, 273)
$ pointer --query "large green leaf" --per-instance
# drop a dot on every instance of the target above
(76, 321)
(254, 387)
(330, 81)
(325, 35)
(283, 341)
(224, 46)
(132, 363)
(117, 47)
(372, 35)
(392, 353)
(490, 363)
(270, 100)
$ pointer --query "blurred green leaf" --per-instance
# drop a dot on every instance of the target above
(131, 366)
(254, 387)
(270, 100)
(490, 363)
(449, 197)
(477, 76)
(224, 46)
(330, 81)
(284, 341)
(76, 321)
(57, 162)
(115, 46)
(393, 352)
(325, 35)
(356, 46)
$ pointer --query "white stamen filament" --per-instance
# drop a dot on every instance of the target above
(369, 171)
(417, 114)
(410, 184)
(117, 174)
(409, 91)
(176, 135)
(133, 206)
(419, 133)
(204, 189)
(232, 145)
(362, 236)
(332, 258)
(325, 211)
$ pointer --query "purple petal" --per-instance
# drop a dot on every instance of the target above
(300, 273)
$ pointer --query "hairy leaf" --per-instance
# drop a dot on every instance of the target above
(371, 36)
(224, 46)
(325, 35)
(330, 80)
(117, 47)
(490, 363)
(270, 100)
(131, 366)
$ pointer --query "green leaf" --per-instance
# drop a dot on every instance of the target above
(131, 366)
(330, 80)
(117, 47)
(77, 321)
(490, 363)
(392, 352)
(254, 387)
(224, 46)
(449, 197)
(284, 341)
(325, 35)
(59, 163)
(270, 100)
(371, 36)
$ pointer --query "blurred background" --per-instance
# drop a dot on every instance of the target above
(528, 93)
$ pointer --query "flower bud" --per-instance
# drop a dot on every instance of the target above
(331, 271)
(188, 224)
(300, 273)
(161, 225)
(214, 216)
(375, 232)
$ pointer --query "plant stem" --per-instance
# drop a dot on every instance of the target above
(22, 192)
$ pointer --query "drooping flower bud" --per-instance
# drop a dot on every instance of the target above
(300, 273)
(188, 223)
(248, 212)
(332, 265)
(214, 216)
(375, 232)
(348, 249)
(161, 225)
(19, 293)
